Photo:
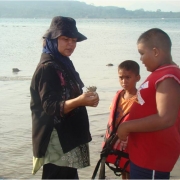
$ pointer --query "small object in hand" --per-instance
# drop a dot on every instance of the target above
(91, 88)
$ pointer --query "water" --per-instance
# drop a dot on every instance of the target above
(109, 41)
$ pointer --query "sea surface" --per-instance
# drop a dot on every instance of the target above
(109, 41)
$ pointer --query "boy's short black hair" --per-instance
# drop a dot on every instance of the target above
(156, 37)
(130, 65)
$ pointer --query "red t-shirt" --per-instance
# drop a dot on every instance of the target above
(157, 150)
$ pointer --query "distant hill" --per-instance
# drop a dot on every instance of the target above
(48, 9)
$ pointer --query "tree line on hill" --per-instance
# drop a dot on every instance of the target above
(75, 9)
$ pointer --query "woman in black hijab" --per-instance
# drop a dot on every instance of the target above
(60, 124)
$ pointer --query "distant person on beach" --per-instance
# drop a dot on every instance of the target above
(60, 124)
(128, 72)
(153, 126)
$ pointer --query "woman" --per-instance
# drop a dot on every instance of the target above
(60, 125)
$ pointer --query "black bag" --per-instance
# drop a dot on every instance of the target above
(107, 150)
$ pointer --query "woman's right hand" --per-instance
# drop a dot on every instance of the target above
(89, 99)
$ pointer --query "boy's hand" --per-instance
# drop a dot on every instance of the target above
(123, 145)
(122, 131)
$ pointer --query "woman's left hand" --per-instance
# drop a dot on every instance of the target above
(88, 99)
(94, 99)
(85, 99)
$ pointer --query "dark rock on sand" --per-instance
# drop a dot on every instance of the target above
(15, 70)
(109, 64)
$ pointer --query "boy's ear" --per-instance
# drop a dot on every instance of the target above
(138, 78)
(156, 51)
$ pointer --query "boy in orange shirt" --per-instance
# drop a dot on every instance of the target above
(128, 72)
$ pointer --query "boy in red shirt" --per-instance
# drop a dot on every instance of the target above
(153, 126)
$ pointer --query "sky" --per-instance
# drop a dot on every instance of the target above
(147, 5)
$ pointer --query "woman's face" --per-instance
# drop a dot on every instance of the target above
(66, 45)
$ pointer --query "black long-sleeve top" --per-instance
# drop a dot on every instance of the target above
(51, 85)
